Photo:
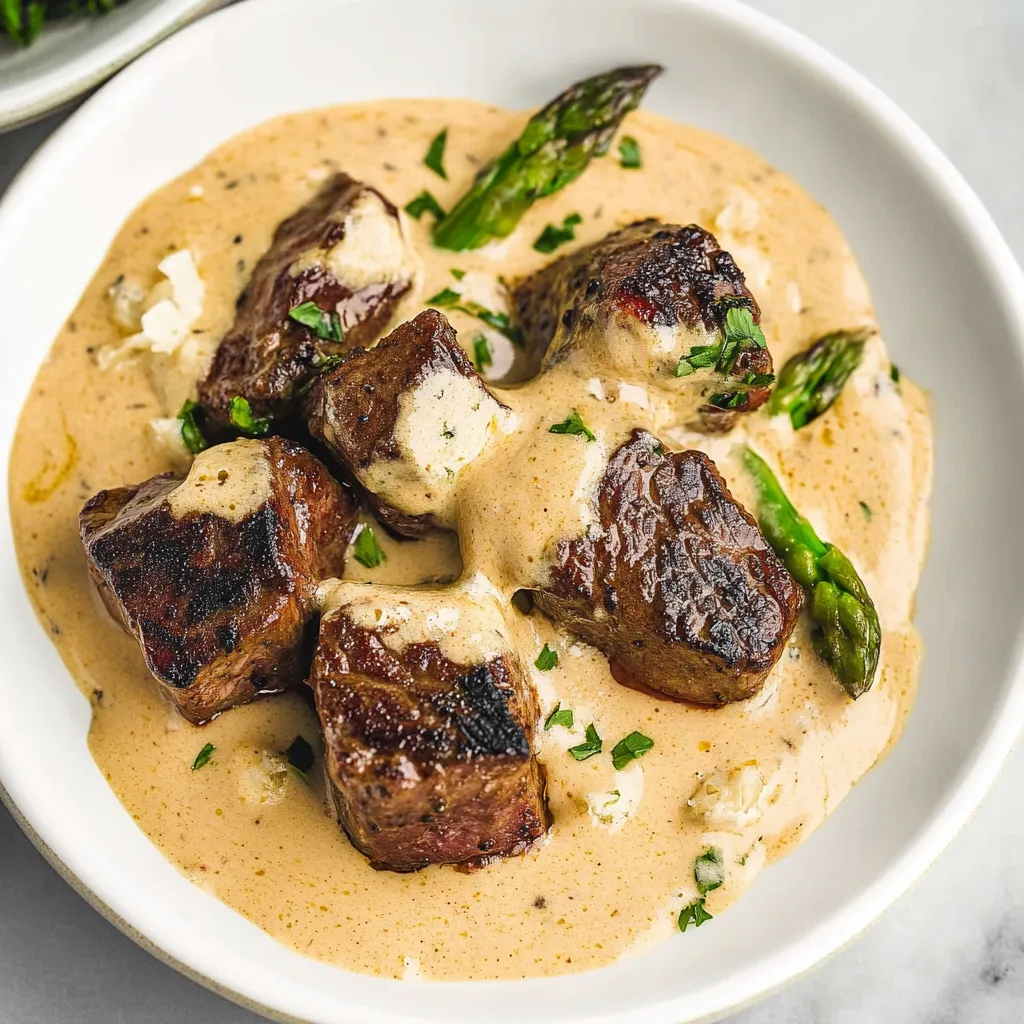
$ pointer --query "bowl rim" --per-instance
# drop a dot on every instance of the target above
(994, 743)
(26, 101)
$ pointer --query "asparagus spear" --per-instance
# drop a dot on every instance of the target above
(22, 20)
(554, 149)
(811, 381)
(847, 634)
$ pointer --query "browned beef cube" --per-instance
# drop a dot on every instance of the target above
(405, 418)
(678, 587)
(637, 301)
(428, 726)
(215, 575)
(345, 251)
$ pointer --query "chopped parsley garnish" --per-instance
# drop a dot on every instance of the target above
(573, 425)
(894, 373)
(366, 550)
(559, 716)
(326, 326)
(709, 870)
(547, 659)
(445, 297)
(447, 433)
(241, 417)
(739, 332)
(319, 369)
(693, 913)
(193, 437)
(589, 747)
(300, 757)
(203, 757)
(481, 353)
(435, 155)
(449, 298)
(634, 746)
(629, 153)
(866, 509)
(499, 321)
(552, 236)
(457, 274)
(425, 203)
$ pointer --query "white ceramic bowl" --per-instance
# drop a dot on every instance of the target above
(74, 54)
(949, 296)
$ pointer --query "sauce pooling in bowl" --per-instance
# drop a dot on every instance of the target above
(750, 779)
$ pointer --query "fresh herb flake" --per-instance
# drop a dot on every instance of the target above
(457, 274)
(241, 417)
(445, 297)
(866, 509)
(634, 746)
(552, 236)
(366, 550)
(693, 913)
(559, 716)
(435, 154)
(499, 321)
(573, 425)
(193, 437)
(481, 353)
(709, 870)
(589, 747)
(739, 332)
(894, 374)
(203, 757)
(629, 153)
(547, 659)
(425, 203)
(326, 326)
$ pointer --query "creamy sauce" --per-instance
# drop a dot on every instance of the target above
(751, 778)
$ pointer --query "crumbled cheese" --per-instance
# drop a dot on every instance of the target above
(741, 213)
(127, 296)
(167, 435)
(595, 388)
(196, 192)
(730, 801)
(373, 249)
(613, 807)
(169, 311)
(633, 394)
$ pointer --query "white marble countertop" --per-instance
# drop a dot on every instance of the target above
(952, 950)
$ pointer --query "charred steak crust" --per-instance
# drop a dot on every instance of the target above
(662, 274)
(353, 409)
(266, 355)
(431, 761)
(680, 589)
(220, 608)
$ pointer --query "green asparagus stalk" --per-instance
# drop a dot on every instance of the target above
(847, 635)
(811, 381)
(554, 149)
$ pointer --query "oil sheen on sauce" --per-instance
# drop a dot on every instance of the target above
(751, 778)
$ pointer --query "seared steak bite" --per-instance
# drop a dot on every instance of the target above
(215, 575)
(428, 726)
(405, 418)
(677, 586)
(634, 303)
(346, 252)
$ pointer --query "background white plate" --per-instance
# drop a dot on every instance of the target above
(947, 291)
(73, 54)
